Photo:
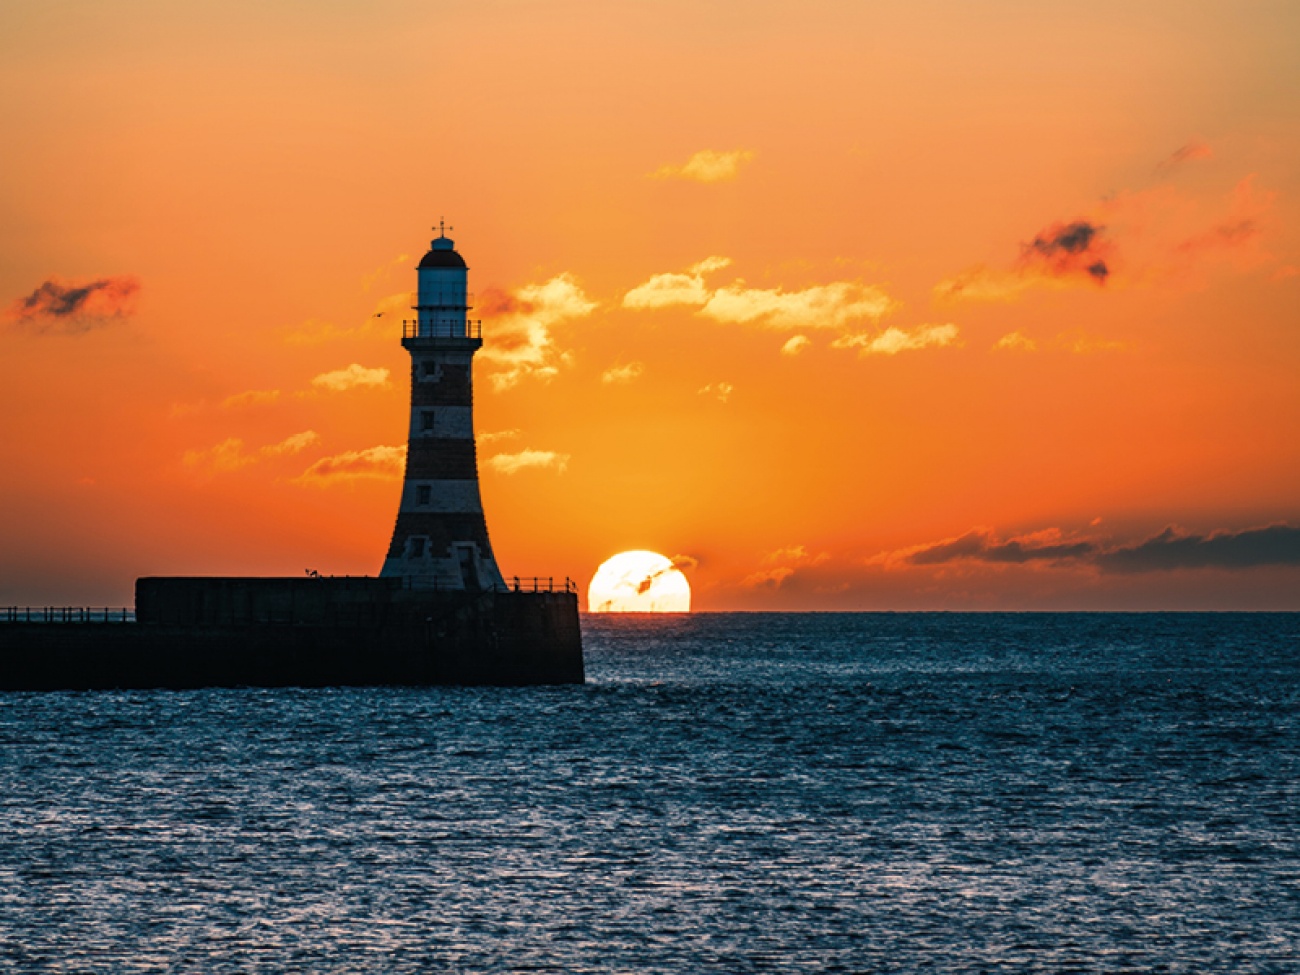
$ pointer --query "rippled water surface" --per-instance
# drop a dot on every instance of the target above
(730, 793)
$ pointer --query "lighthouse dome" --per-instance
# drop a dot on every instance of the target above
(442, 253)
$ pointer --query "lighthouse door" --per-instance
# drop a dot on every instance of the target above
(468, 569)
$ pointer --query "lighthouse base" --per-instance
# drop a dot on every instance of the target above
(227, 632)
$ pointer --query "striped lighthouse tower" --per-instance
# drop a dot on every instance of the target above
(441, 539)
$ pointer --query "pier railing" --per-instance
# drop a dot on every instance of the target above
(540, 584)
(66, 614)
(513, 584)
(113, 614)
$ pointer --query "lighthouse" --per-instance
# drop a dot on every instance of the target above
(440, 541)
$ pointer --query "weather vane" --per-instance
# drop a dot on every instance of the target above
(442, 227)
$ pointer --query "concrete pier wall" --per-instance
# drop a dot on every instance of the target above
(302, 633)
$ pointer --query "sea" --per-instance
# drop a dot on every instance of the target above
(945, 792)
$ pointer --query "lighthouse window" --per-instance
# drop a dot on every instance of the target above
(422, 494)
(426, 419)
(417, 548)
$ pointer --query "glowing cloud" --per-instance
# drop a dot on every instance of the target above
(796, 345)
(707, 166)
(781, 565)
(722, 391)
(1015, 342)
(382, 462)
(293, 444)
(352, 377)
(521, 343)
(229, 455)
(666, 290)
(370, 279)
(895, 340)
(525, 459)
(622, 374)
(252, 397)
(386, 318)
(831, 305)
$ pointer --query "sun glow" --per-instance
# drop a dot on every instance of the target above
(638, 582)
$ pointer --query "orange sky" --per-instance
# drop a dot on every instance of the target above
(843, 305)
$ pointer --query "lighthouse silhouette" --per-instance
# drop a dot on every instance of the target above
(440, 540)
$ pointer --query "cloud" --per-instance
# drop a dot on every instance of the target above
(722, 391)
(369, 280)
(895, 340)
(707, 166)
(487, 438)
(768, 578)
(350, 378)
(1061, 253)
(831, 305)
(981, 545)
(684, 562)
(293, 444)
(1238, 230)
(666, 290)
(230, 455)
(982, 284)
(1068, 249)
(1080, 343)
(252, 397)
(224, 457)
(1173, 549)
(796, 345)
(56, 307)
(382, 462)
(386, 318)
(514, 463)
(780, 565)
(1196, 149)
(622, 374)
(1016, 342)
(520, 343)
(493, 302)
(1170, 550)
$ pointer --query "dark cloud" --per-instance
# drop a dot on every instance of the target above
(1074, 238)
(982, 547)
(1184, 154)
(68, 308)
(677, 564)
(1065, 249)
(1171, 549)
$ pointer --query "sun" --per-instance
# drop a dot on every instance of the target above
(638, 582)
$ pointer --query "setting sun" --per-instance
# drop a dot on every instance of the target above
(638, 582)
